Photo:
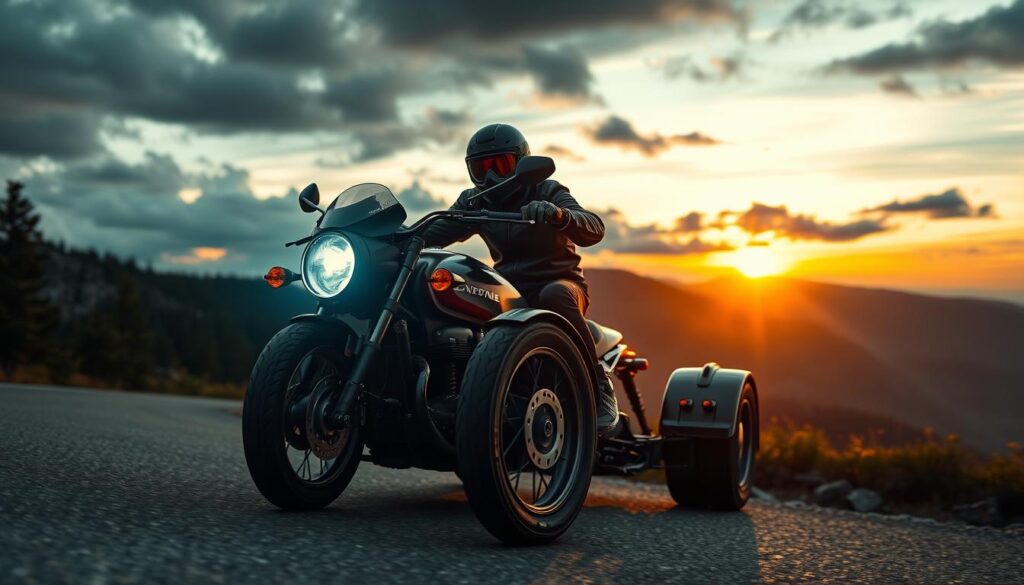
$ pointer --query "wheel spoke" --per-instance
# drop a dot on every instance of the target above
(547, 390)
(512, 442)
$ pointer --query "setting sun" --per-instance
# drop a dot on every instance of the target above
(755, 262)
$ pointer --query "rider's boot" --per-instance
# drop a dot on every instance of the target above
(607, 405)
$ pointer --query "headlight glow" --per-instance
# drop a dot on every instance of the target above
(328, 264)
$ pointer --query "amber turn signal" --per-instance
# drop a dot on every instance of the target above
(276, 277)
(440, 280)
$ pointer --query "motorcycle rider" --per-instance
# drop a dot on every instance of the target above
(539, 260)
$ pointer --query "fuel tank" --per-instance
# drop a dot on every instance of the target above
(476, 292)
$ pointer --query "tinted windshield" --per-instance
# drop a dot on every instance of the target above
(361, 203)
(369, 197)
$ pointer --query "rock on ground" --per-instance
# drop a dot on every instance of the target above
(864, 500)
(832, 494)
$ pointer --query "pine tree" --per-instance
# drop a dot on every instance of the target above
(134, 341)
(25, 314)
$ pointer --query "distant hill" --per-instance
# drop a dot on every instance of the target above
(952, 364)
(209, 327)
(843, 358)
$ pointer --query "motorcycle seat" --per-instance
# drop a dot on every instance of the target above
(605, 338)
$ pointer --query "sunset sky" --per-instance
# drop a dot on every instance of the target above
(873, 143)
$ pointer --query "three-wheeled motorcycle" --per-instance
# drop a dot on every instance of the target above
(427, 358)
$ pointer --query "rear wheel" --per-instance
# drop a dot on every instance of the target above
(723, 469)
(294, 460)
(526, 432)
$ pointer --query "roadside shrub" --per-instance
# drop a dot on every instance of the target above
(933, 470)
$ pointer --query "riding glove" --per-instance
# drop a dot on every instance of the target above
(545, 212)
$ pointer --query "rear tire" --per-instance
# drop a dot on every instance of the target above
(489, 443)
(263, 421)
(723, 469)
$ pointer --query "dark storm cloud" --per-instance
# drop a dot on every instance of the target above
(898, 85)
(156, 175)
(717, 69)
(560, 71)
(413, 22)
(296, 33)
(126, 64)
(816, 14)
(446, 126)
(134, 209)
(761, 218)
(948, 204)
(58, 134)
(995, 37)
(241, 66)
(618, 131)
(368, 96)
(299, 33)
(418, 201)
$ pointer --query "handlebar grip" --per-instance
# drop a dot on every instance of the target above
(503, 215)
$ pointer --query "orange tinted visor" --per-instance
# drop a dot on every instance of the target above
(503, 164)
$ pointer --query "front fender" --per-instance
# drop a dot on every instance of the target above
(721, 386)
(325, 319)
(528, 315)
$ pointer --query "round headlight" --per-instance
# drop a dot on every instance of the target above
(327, 265)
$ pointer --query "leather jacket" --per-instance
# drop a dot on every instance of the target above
(529, 256)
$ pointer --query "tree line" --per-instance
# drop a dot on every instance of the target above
(78, 317)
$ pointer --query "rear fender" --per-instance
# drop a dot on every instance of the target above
(682, 410)
(526, 316)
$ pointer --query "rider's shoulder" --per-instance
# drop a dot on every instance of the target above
(549, 187)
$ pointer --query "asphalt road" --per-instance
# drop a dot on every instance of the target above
(100, 487)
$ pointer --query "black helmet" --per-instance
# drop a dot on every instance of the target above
(493, 152)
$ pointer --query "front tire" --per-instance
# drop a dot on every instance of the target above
(301, 362)
(526, 407)
(723, 469)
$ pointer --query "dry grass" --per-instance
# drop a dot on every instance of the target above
(930, 470)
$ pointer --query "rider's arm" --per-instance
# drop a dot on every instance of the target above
(445, 232)
(583, 227)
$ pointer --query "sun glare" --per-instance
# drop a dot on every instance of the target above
(756, 262)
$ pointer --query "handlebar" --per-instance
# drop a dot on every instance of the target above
(465, 216)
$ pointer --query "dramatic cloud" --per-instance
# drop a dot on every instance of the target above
(762, 218)
(995, 37)
(368, 96)
(898, 85)
(412, 22)
(946, 205)
(815, 14)
(418, 201)
(717, 69)
(77, 67)
(624, 238)
(56, 134)
(619, 132)
(135, 210)
(556, 152)
(559, 72)
(691, 222)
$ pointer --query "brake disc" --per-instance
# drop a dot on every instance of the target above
(325, 443)
(544, 429)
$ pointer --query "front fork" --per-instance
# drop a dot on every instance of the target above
(341, 413)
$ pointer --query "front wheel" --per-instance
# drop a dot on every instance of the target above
(294, 460)
(525, 432)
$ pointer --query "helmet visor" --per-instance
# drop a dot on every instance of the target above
(503, 164)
